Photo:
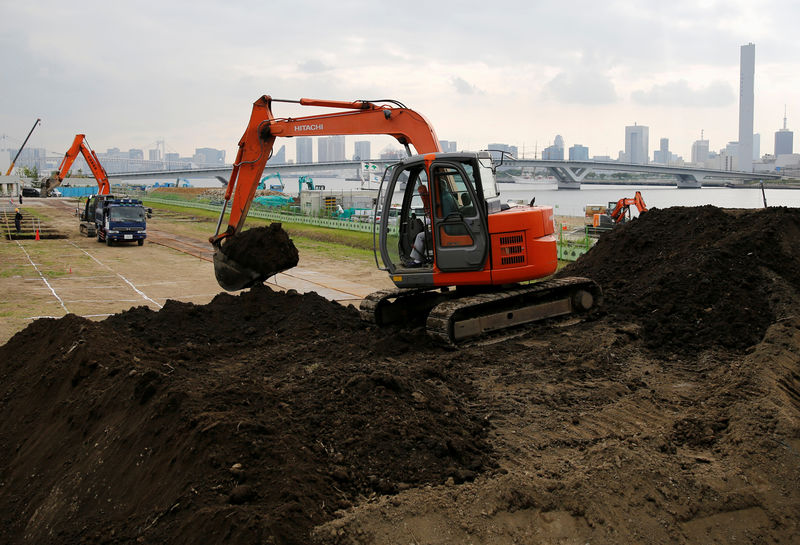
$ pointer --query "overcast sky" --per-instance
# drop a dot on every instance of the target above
(519, 72)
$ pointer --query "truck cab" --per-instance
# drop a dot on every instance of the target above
(115, 219)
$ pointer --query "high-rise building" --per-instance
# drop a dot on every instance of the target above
(556, 151)
(154, 154)
(362, 151)
(279, 157)
(448, 146)
(336, 148)
(756, 147)
(305, 149)
(747, 67)
(209, 156)
(637, 145)
(578, 152)
(662, 155)
(784, 144)
(330, 149)
(700, 151)
(497, 150)
(136, 154)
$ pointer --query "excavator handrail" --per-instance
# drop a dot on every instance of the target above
(361, 118)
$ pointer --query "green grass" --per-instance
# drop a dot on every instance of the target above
(359, 240)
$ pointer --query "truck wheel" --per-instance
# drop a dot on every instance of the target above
(109, 242)
(140, 242)
(99, 238)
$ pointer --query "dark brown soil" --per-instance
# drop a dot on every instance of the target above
(266, 250)
(672, 416)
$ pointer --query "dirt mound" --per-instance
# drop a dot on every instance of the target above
(254, 416)
(266, 250)
(696, 278)
(672, 416)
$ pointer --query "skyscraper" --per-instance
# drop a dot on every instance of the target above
(784, 140)
(662, 155)
(362, 151)
(747, 67)
(637, 144)
(578, 152)
(305, 149)
(448, 146)
(700, 152)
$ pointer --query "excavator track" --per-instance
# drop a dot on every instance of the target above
(455, 319)
(467, 318)
(400, 305)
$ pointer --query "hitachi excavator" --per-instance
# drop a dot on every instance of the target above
(79, 145)
(460, 260)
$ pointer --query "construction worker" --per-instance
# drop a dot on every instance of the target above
(17, 220)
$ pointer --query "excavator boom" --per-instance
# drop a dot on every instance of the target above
(360, 118)
(79, 145)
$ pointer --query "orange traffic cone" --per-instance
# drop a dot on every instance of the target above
(37, 234)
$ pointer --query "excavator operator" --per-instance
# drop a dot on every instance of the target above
(418, 230)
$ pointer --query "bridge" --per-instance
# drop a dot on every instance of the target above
(568, 174)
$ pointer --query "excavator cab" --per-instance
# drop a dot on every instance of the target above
(442, 221)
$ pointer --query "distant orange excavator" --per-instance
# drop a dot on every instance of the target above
(79, 145)
(621, 211)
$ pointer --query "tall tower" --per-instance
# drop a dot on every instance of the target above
(747, 68)
(637, 144)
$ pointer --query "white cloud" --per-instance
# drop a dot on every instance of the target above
(717, 94)
(581, 87)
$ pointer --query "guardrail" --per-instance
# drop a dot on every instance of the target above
(332, 223)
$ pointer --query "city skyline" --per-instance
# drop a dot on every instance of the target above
(585, 74)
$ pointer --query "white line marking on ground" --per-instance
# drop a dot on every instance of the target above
(137, 290)
(42, 277)
(82, 316)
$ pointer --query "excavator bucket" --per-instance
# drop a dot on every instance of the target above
(252, 256)
(232, 276)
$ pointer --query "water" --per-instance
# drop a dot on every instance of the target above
(571, 202)
(567, 202)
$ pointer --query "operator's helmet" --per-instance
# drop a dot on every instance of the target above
(16, 210)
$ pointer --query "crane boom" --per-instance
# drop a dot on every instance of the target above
(11, 167)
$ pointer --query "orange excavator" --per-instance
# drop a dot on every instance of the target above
(460, 259)
(620, 211)
(79, 145)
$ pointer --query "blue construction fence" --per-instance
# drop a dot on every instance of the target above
(80, 191)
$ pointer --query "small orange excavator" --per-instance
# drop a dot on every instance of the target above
(620, 211)
(79, 145)
(460, 259)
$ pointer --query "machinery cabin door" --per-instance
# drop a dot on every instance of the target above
(460, 232)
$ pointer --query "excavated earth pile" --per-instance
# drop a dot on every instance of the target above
(671, 416)
(265, 250)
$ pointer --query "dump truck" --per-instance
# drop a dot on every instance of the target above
(114, 219)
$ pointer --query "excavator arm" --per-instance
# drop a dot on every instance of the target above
(79, 145)
(359, 118)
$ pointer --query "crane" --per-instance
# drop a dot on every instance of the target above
(79, 145)
(11, 167)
